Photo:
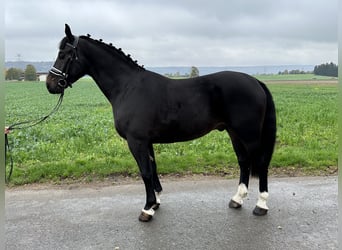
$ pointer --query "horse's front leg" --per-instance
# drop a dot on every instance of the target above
(140, 151)
(156, 183)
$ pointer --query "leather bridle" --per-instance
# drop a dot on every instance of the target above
(64, 72)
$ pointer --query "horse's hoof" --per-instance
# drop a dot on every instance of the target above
(258, 211)
(144, 217)
(234, 204)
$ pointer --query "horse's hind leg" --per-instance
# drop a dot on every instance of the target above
(261, 207)
(251, 161)
(156, 183)
(262, 162)
(244, 163)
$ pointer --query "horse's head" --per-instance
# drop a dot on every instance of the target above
(67, 68)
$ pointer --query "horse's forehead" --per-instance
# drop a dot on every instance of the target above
(63, 43)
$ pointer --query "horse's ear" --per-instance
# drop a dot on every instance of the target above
(68, 33)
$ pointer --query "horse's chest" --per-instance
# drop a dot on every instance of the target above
(133, 121)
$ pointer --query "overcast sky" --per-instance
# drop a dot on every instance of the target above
(180, 32)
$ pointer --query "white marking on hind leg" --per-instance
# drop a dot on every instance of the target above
(262, 200)
(156, 206)
(241, 194)
(149, 212)
(158, 194)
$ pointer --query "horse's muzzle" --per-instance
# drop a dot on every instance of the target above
(53, 84)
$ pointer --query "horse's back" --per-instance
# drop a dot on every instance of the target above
(228, 82)
(221, 92)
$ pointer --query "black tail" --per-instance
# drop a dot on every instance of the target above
(268, 134)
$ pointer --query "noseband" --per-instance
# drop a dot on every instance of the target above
(64, 72)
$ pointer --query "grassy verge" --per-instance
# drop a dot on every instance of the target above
(80, 142)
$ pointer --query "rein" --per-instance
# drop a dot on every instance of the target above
(24, 125)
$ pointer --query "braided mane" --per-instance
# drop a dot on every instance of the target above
(111, 48)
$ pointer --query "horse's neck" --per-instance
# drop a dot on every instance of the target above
(110, 72)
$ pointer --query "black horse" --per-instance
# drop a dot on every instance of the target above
(149, 108)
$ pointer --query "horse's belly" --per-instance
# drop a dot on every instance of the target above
(175, 132)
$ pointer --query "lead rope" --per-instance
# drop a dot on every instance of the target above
(7, 148)
(23, 125)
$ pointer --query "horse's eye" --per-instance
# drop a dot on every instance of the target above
(61, 55)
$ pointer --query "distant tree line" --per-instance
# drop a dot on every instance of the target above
(29, 74)
(14, 74)
(293, 72)
(194, 72)
(177, 75)
(326, 69)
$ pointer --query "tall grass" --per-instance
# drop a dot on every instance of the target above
(80, 142)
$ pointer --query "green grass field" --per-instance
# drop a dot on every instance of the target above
(80, 142)
(296, 77)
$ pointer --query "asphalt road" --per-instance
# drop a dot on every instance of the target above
(194, 214)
